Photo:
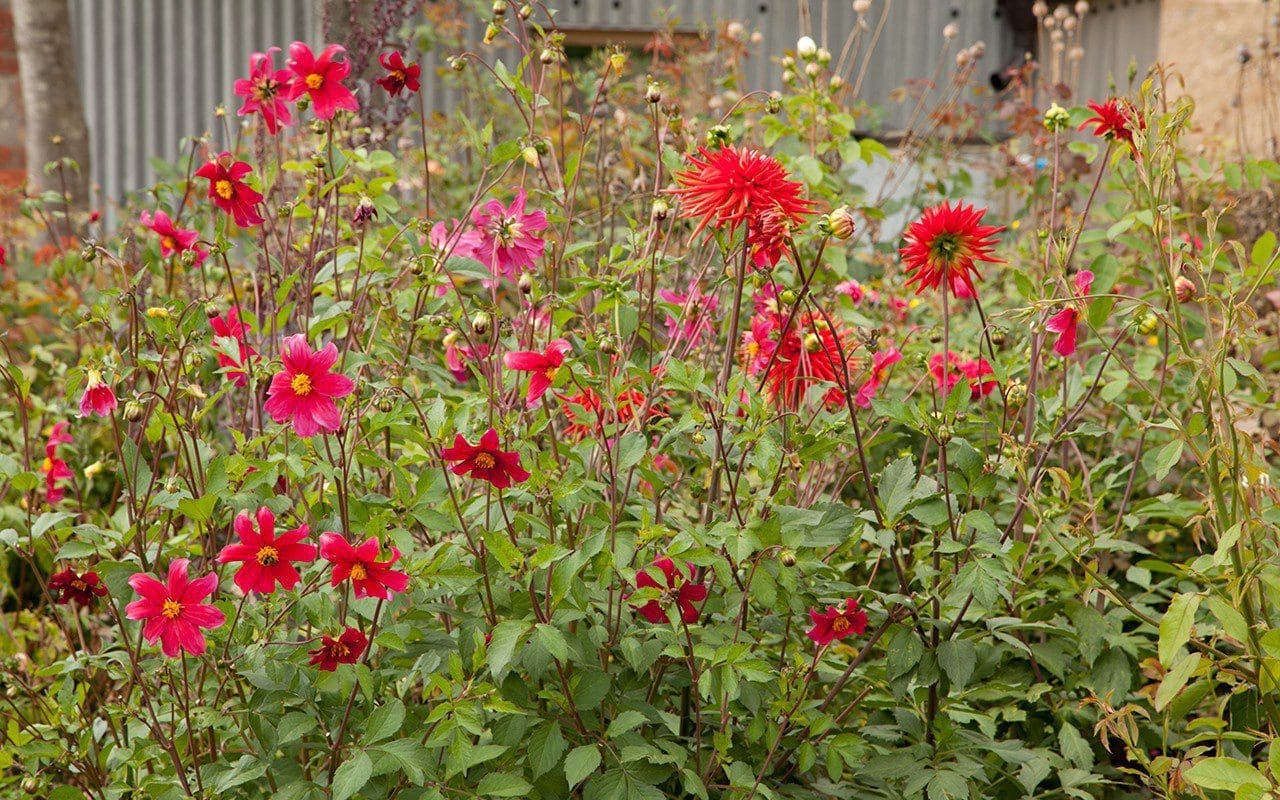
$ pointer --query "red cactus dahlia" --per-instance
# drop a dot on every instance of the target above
(943, 245)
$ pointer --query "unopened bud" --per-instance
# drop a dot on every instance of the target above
(530, 155)
(133, 411)
(812, 70)
(156, 312)
(787, 297)
(787, 558)
(698, 437)
(1147, 324)
(806, 48)
(365, 211)
(617, 61)
(480, 323)
(660, 209)
(841, 223)
(1184, 289)
(499, 8)
(1056, 118)
(88, 253)
(491, 32)
(385, 404)
(526, 11)
(525, 283)
(459, 64)
(824, 56)
(718, 136)
(774, 104)
(653, 92)
(950, 31)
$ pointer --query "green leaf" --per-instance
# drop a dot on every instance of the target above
(552, 640)
(1226, 774)
(624, 722)
(1175, 679)
(502, 646)
(503, 784)
(198, 510)
(1175, 627)
(958, 658)
(293, 726)
(546, 745)
(501, 548)
(384, 721)
(352, 775)
(581, 762)
(1166, 458)
(904, 653)
(1263, 249)
(946, 785)
(897, 485)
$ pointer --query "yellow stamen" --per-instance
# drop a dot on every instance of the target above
(268, 556)
(168, 243)
(301, 385)
(171, 609)
(358, 572)
(314, 81)
(484, 461)
(840, 625)
(224, 190)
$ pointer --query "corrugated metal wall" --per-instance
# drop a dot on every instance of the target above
(152, 71)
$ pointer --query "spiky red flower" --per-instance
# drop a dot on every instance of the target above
(943, 245)
(734, 186)
(1114, 119)
(807, 355)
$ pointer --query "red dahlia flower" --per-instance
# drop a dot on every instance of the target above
(486, 461)
(266, 558)
(68, 586)
(369, 576)
(836, 624)
(229, 192)
(880, 364)
(321, 78)
(229, 326)
(589, 415)
(54, 468)
(947, 375)
(98, 397)
(175, 611)
(679, 589)
(544, 367)
(943, 245)
(173, 240)
(304, 392)
(265, 90)
(399, 75)
(733, 186)
(1115, 119)
(807, 355)
(695, 314)
(1066, 323)
(346, 649)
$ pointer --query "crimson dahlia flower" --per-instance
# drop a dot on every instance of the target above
(229, 192)
(943, 245)
(265, 91)
(836, 624)
(173, 240)
(346, 649)
(304, 392)
(486, 461)
(949, 370)
(680, 589)
(175, 611)
(543, 368)
(1115, 119)
(1066, 323)
(400, 76)
(71, 586)
(369, 576)
(229, 326)
(98, 397)
(266, 559)
(321, 78)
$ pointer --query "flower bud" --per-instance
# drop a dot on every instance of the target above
(491, 32)
(812, 70)
(88, 253)
(824, 56)
(1015, 394)
(617, 61)
(525, 283)
(608, 344)
(458, 64)
(950, 31)
(526, 11)
(841, 223)
(653, 92)
(1056, 119)
(698, 437)
(787, 558)
(157, 312)
(318, 159)
(660, 209)
(788, 62)
(806, 48)
(284, 211)
(718, 136)
(861, 7)
(1148, 323)
(480, 323)
(530, 155)
(1184, 289)
(788, 76)
(385, 404)
(835, 84)
(547, 56)
(365, 211)
(787, 297)
(774, 104)
(1082, 7)
(133, 411)
(499, 8)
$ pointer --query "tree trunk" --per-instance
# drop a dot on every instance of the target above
(55, 124)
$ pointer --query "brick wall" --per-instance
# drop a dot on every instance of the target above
(12, 158)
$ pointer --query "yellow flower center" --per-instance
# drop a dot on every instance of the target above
(79, 585)
(340, 650)
(223, 188)
(268, 556)
(550, 372)
(171, 609)
(169, 243)
(301, 385)
(358, 572)
(48, 465)
(840, 625)
(484, 461)
(398, 74)
(314, 81)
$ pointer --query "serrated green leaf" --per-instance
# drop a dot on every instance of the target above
(581, 762)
